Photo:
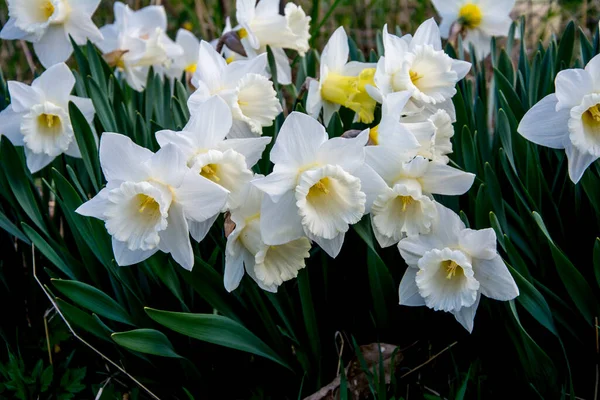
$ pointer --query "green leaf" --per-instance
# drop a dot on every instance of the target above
(597, 260)
(215, 329)
(86, 141)
(42, 245)
(574, 282)
(12, 229)
(460, 394)
(335, 127)
(81, 319)
(565, 48)
(93, 299)
(103, 109)
(505, 87)
(148, 341)
(46, 378)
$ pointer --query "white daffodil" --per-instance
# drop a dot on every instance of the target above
(136, 41)
(404, 205)
(451, 267)
(48, 24)
(478, 20)
(433, 131)
(318, 187)
(227, 163)
(262, 24)
(38, 116)
(341, 83)
(570, 118)
(419, 65)
(242, 84)
(187, 61)
(149, 199)
(268, 265)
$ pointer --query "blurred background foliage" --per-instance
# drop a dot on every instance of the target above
(543, 345)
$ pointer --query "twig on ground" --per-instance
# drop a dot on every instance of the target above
(428, 361)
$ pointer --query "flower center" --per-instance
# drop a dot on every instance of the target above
(414, 77)
(50, 123)
(243, 33)
(230, 59)
(148, 206)
(452, 269)
(210, 172)
(594, 112)
(47, 9)
(320, 188)
(470, 16)
(406, 201)
(351, 92)
(374, 135)
(191, 68)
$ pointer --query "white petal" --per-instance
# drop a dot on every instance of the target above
(278, 183)
(168, 165)
(593, 68)
(328, 110)
(209, 70)
(282, 63)
(183, 140)
(330, 246)
(571, 86)
(495, 279)
(278, 264)
(578, 161)
(544, 125)
(461, 68)
(10, 123)
(443, 179)
(408, 291)
(480, 41)
(314, 102)
(280, 222)
(394, 103)
(383, 240)
(210, 122)
(121, 159)
(335, 53)
(125, 257)
(251, 148)
(81, 27)
(255, 102)
(479, 243)
(56, 83)
(37, 161)
(427, 33)
(234, 268)
(23, 97)
(385, 161)
(347, 153)
(395, 49)
(86, 107)
(200, 198)
(176, 238)
(245, 10)
(89, 7)
(199, 230)
(371, 184)
(466, 315)
(298, 140)
(96, 206)
(10, 31)
(54, 47)
(445, 7)
(496, 24)
(73, 150)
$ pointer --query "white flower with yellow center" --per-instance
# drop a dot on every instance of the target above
(136, 41)
(149, 199)
(341, 83)
(478, 20)
(48, 24)
(243, 85)
(570, 118)
(451, 267)
(419, 65)
(404, 205)
(38, 117)
(318, 187)
(268, 265)
(187, 61)
(432, 130)
(262, 24)
(227, 163)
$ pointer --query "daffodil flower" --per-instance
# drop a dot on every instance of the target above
(268, 265)
(38, 117)
(48, 24)
(341, 83)
(227, 163)
(404, 205)
(136, 41)
(451, 267)
(570, 118)
(318, 187)
(419, 65)
(149, 199)
(187, 61)
(243, 85)
(262, 24)
(479, 20)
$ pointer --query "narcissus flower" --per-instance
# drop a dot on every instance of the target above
(451, 267)
(187, 61)
(419, 65)
(136, 41)
(262, 24)
(48, 24)
(268, 265)
(341, 83)
(404, 205)
(478, 20)
(149, 199)
(243, 85)
(318, 187)
(38, 117)
(570, 118)
(227, 163)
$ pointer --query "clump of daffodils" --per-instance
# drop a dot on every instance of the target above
(389, 171)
